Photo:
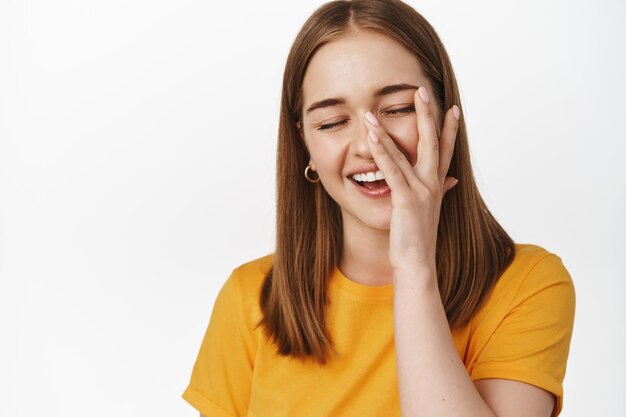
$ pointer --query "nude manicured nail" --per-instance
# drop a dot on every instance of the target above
(424, 94)
(373, 136)
(455, 111)
(371, 118)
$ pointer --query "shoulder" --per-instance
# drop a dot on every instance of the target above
(533, 270)
(249, 276)
(243, 287)
(533, 267)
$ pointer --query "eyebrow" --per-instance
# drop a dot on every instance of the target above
(388, 89)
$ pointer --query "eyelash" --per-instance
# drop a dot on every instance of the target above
(409, 109)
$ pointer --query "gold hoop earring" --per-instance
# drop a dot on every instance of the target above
(306, 171)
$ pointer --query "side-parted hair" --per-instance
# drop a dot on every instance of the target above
(473, 250)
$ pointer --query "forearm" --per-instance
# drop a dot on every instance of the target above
(432, 379)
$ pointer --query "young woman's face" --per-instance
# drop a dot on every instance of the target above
(352, 69)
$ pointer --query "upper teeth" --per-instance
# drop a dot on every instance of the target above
(369, 176)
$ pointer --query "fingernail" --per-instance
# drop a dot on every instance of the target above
(373, 136)
(423, 94)
(455, 111)
(371, 118)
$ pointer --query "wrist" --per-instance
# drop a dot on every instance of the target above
(412, 260)
(423, 275)
(415, 267)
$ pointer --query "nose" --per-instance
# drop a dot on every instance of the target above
(359, 145)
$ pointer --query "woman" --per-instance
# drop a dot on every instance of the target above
(392, 289)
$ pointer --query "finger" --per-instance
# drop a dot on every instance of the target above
(395, 167)
(449, 184)
(447, 141)
(428, 143)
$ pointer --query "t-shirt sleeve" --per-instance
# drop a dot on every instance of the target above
(531, 343)
(222, 375)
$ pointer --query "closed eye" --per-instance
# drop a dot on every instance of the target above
(409, 109)
(331, 125)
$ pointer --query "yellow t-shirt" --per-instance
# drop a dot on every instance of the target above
(521, 332)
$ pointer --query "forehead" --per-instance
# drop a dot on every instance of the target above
(356, 64)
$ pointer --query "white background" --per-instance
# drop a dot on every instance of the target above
(137, 169)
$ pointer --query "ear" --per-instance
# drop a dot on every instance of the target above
(299, 127)
(312, 165)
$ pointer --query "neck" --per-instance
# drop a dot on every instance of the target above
(365, 257)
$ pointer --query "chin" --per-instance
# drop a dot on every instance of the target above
(378, 224)
(379, 219)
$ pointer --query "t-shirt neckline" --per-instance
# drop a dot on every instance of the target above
(377, 292)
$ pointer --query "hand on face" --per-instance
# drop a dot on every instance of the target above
(416, 191)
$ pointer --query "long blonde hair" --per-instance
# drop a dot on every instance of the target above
(472, 248)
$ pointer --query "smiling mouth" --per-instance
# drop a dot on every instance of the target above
(370, 185)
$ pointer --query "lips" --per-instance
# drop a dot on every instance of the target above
(373, 189)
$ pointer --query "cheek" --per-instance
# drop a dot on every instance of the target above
(326, 158)
(404, 132)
